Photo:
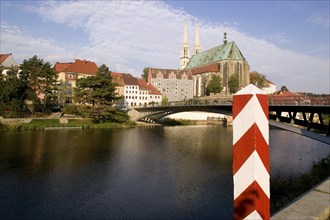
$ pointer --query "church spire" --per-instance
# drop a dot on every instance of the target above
(197, 45)
(185, 53)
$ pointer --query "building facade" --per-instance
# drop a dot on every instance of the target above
(176, 85)
(224, 60)
(7, 60)
(270, 87)
(68, 73)
(135, 92)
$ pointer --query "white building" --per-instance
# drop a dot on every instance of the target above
(138, 93)
(271, 88)
(7, 60)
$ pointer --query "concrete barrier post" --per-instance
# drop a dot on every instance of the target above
(251, 154)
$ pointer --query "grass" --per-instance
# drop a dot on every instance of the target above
(283, 192)
(40, 124)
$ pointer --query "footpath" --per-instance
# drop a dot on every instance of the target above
(313, 205)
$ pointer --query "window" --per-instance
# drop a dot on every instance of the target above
(69, 84)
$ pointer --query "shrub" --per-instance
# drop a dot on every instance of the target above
(70, 109)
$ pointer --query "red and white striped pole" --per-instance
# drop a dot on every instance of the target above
(251, 154)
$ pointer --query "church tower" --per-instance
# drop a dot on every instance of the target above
(185, 53)
(197, 45)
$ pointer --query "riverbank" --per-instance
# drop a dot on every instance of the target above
(289, 190)
(41, 124)
(315, 204)
(82, 123)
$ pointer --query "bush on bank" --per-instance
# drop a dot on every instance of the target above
(98, 114)
(282, 192)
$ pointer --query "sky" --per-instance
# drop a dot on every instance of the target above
(288, 41)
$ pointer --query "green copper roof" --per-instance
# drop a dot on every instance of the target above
(227, 51)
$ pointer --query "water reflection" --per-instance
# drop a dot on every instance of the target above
(158, 173)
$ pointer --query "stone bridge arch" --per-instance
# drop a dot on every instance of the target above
(154, 114)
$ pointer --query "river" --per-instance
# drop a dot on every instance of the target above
(137, 173)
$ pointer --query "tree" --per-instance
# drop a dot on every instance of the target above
(104, 71)
(12, 94)
(233, 83)
(258, 79)
(164, 100)
(145, 73)
(41, 80)
(284, 89)
(96, 90)
(215, 84)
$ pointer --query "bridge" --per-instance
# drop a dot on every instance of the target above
(308, 116)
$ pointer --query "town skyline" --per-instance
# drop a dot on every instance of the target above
(128, 36)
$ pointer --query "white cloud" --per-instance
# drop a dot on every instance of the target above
(24, 46)
(128, 36)
(320, 19)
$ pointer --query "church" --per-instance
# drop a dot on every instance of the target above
(224, 60)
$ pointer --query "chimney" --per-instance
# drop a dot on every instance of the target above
(225, 38)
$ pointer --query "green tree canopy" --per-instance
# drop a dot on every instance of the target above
(145, 73)
(164, 100)
(95, 90)
(258, 79)
(104, 71)
(233, 83)
(215, 84)
(41, 80)
(12, 94)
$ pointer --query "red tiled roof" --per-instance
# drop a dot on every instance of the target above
(129, 79)
(61, 67)
(117, 78)
(287, 93)
(152, 90)
(142, 84)
(83, 66)
(206, 68)
(3, 57)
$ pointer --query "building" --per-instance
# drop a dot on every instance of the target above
(117, 78)
(154, 96)
(176, 85)
(135, 92)
(7, 60)
(68, 73)
(224, 60)
(270, 88)
(185, 49)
